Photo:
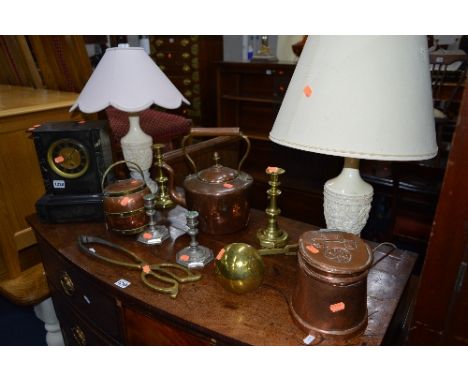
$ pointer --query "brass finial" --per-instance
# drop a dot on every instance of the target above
(216, 158)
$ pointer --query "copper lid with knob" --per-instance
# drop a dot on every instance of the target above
(124, 187)
(217, 173)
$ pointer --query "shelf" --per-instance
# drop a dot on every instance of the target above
(251, 99)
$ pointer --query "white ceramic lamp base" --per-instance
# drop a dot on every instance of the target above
(347, 199)
(137, 148)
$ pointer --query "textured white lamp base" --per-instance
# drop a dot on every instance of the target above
(137, 148)
(347, 199)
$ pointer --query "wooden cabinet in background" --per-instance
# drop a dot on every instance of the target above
(190, 63)
(250, 95)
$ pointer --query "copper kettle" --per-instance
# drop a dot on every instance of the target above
(218, 193)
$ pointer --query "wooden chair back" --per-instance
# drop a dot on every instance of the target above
(30, 286)
(448, 74)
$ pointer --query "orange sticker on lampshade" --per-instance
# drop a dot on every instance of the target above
(220, 254)
(59, 159)
(228, 185)
(147, 235)
(338, 307)
(146, 268)
(308, 91)
(124, 201)
(312, 249)
(271, 169)
(185, 257)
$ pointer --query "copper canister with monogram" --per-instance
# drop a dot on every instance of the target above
(124, 208)
(219, 194)
(330, 298)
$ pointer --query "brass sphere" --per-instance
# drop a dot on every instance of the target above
(240, 269)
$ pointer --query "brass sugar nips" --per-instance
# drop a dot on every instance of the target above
(272, 236)
(165, 276)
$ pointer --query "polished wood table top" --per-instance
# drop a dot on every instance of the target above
(260, 317)
(16, 100)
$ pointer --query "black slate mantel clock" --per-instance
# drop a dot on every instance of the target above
(72, 157)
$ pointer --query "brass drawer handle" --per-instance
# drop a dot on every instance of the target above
(184, 42)
(78, 335)
(187, 81)
(67, 284)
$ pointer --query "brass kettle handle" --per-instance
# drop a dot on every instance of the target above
(215, 131)
(103, 180)
(67, 284)
(78, 335)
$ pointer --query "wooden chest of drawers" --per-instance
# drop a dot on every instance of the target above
(92, 310)
(190, 63)
(79, 300)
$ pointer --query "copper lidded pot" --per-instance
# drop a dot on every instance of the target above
(330, 298)
(124, 208)
(219, 194)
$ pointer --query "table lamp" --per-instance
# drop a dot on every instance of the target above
(360, 97)
(128, 79)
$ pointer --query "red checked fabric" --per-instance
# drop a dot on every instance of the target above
(163, 127)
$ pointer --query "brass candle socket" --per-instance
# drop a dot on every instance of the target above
(272, 236)
(163, 200)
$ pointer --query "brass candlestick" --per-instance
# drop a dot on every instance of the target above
(273, 236)
(163, 200)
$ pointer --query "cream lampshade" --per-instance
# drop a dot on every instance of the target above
(360, 97)
(128, 79)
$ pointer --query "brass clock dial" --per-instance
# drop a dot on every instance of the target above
(68, 158)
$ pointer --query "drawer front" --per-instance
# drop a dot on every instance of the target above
(173, 43)
(144, 330)
(74, 329)
(78, 290)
